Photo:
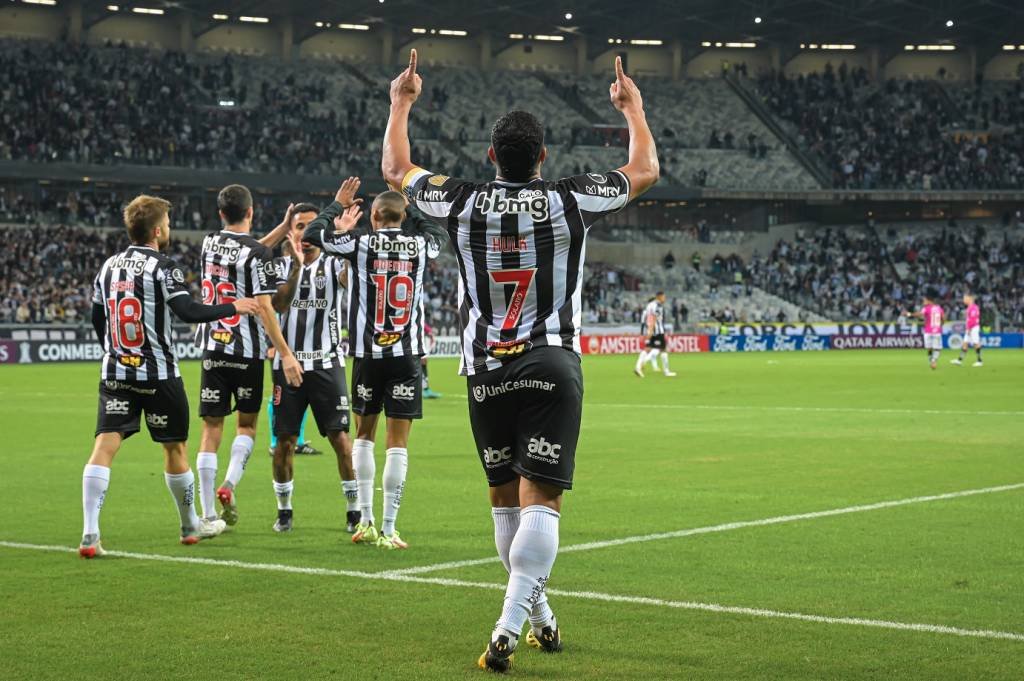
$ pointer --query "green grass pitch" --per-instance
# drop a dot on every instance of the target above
(734, 438)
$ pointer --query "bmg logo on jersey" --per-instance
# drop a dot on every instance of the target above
(116, 407)
(495, 457)
(209, 395)
(156, 420)
(403, 392)
(530, 201)
(542, 450)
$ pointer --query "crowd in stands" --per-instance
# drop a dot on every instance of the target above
(860, 274)
(892, 135)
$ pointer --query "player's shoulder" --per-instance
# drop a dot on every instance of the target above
(608, 183)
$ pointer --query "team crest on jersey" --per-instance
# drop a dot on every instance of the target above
(134, 361)
(387, 338)
(438, 180)
(222, 336)
(597, 177)
(178, 276)
(320, 281)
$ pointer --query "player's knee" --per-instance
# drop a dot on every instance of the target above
(176, 457)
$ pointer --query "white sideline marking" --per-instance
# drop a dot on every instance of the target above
(582, 595)
(724, 527)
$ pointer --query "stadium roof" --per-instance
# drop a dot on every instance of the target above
(875, 22)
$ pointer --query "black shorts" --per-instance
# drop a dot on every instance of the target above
(164, 402)
(391, 384)
(657, 341)
(225, 377)
(526, 417)
(323, 390)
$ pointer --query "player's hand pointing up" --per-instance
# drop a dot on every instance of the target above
(625, 95)
(406, 87)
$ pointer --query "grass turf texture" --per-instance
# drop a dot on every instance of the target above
(647, 463)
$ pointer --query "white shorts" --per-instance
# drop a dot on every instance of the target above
(973, 336)
(933, 341)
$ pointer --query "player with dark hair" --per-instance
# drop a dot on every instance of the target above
(931, 315)
(386, 340)
(234, 263)
(653, 328)
(519, 241)
(309, 301)
(133, 296)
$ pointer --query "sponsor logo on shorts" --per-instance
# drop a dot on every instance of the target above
(157, 420)
(494, 457)
(223, 364)
(115, 407)
(403, 392)
(542, 450)
(387, 339)
(243, 393)
(482, 392)
(364, 393)
(120, 385)
(209, 395)
(342, 403)
(134, 361)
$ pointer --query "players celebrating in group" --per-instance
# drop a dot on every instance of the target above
(386, 340)
(519, 240)
(133, 295)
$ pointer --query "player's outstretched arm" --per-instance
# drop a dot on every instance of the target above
(642, 169)
(396, 156)
(344, 205)
(280, 233)
(191, 312)
(291, 367)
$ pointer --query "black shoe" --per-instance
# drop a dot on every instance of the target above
(498, 656)
(549, 640)
(351, 520)
(307, 449)
(284, 521)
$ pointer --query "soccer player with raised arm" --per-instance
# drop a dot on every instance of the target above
(972, 332)
(309, 301)
(386, 341)
(654, 334)
(520, 242)
(133, 296)
(235, 264)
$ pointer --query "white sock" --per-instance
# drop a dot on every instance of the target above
(95, 481)
(183, 489)
(283, 490)
(395, 466)
(641, 359)
(241, 448)
(366, 471)
(531, 556)
(664, 362)
(506, 522)
(652, 357)
(350, 488)
(206, 464)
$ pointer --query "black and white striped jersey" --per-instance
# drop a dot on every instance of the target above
(235, 266)
(134, 288)
(312, 324)
(656, 310)
(385, 292)
(520, 248)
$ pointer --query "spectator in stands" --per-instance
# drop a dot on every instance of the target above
(669, 261)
